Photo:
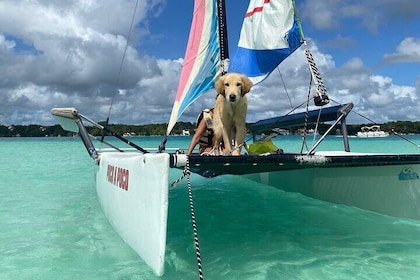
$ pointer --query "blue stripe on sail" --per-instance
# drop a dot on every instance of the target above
(204, 80)
(202, 59)
(258, 64)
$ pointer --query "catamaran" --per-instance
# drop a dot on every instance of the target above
(132, 186)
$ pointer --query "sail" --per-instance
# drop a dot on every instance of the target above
(270, 33)
(202, 62)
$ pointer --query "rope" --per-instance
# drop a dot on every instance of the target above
(162, 145)
(304, 144)
(319, 84)
(194, 225)
(187, 173)
(184, 173)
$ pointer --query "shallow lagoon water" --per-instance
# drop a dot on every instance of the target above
(53, 227)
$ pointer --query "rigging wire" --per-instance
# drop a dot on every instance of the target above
(105, 126)
(285, 89)
(360, 115)
(122, 61)
(404, 138)
(292, 109)
(373, 122)
(316, 125)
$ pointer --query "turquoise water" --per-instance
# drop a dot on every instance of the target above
(52, 226)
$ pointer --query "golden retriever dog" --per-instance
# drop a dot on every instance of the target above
(230, 112)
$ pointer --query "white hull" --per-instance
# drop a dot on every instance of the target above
(137, 206)
(391, 190)
(132, 189)
(372, 134)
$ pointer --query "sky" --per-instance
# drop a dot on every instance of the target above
(59, 53)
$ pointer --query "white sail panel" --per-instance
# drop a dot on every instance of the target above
(269, 34)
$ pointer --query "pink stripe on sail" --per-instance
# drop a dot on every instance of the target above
(192, 47)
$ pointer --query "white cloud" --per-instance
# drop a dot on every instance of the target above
(73, 52)
(6, 44)
(68, 53)
(408, 51)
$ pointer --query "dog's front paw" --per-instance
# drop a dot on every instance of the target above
(236, 152)
(216, 151)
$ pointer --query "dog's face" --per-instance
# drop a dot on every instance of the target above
(233, 86)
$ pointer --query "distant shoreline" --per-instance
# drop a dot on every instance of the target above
(399, 127)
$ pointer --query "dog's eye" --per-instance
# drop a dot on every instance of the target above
(238, 84)
(226, 84)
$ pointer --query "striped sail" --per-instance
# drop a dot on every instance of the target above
(202, 59)
(270, 33)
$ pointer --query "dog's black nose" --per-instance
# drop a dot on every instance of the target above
(232, 98)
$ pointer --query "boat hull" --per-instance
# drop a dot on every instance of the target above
(372, 135)
(132, 189)
(383, 183)
(391, 190)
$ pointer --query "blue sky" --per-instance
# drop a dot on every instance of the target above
(347, 38)
(68, 53)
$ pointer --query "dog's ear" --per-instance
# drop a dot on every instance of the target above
(246, 85)
(220, 86)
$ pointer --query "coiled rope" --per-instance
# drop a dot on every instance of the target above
(187, 173)
(316, 76)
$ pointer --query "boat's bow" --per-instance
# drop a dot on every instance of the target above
(133, 192)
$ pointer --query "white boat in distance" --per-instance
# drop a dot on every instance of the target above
(371, 131)
(132, 187)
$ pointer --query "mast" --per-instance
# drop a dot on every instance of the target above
(223, 36)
